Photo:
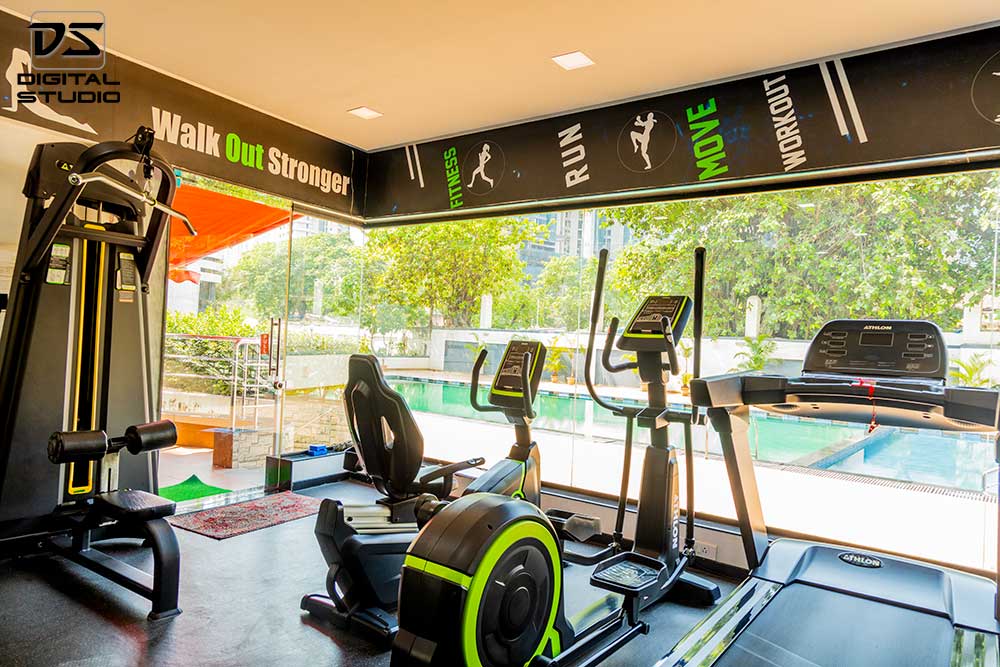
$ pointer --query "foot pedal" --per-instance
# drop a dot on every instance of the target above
(629, 574)
(576, 527)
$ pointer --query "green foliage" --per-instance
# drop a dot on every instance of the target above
(555, 361)
(913, 248)
(210, 360)
(971, 372)
(564, 287)
(323, 266)
(685, 349)
(234, 190)
(216, 320)
(306, 342)
(443, 269)
(756, 355)
(477, 345)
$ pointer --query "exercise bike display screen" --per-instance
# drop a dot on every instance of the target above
(508, 377)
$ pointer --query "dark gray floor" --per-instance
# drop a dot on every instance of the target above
(240, 599)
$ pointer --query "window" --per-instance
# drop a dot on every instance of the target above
(426, 298)
(779, 266)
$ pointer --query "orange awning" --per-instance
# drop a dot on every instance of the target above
(182, 275)
(222, 221)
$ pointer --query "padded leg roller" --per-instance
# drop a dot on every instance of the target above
(150, 437)
(77, 446)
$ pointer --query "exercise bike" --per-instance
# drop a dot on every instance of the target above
(487, 581)
(365, 546)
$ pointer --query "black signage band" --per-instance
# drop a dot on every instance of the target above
(195, 130)
(938, 164)
(933, 105)
(919, 108)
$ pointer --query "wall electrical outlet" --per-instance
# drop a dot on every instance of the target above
(705, 550)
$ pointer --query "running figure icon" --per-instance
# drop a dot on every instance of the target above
(20, 63)
(640, 140)
(484, 157)
(997, 119)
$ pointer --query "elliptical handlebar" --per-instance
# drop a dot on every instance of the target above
(595, 315)
(609, 343)
(474, 389)
(668, 339)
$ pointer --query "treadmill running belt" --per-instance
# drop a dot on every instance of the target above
(805, 626)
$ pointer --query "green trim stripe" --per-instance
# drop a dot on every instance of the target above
(515, 532)
(534, 364)
(673, 324)
(439, 571)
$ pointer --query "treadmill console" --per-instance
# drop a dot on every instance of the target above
(894, 348)
(506, 390)
(644, 332)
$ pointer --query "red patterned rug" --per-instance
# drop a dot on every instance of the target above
(246, 517)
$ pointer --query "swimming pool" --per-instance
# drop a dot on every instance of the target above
(924, 457)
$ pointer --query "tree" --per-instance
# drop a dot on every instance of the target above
(258, 279)
(913, 248)
(444, 268)
(195, 362)
(563, 290)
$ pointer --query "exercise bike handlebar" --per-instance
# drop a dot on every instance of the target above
(526, 396)
(474, 389)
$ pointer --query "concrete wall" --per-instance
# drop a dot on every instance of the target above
(718, 354)
(18, 142)
(305, 371)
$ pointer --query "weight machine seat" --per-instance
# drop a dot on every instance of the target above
(388, 442)
(133, 505)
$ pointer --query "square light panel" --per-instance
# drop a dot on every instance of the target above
(365, 112)
(574, 60)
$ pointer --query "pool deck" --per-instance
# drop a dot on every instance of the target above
(840, 507)
(578, 389)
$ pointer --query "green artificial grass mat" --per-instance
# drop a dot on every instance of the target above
(190, 489)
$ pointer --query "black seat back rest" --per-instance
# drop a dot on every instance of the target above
(389, 443)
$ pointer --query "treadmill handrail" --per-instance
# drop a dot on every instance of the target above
(149, 200)
(805, 390)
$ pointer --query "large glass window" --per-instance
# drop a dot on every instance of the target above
(779, 266)
(291, 301)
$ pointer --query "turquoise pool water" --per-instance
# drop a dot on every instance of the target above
(925, 457)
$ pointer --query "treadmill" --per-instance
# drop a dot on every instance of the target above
(807, 603)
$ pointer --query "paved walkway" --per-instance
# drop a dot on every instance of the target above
(579, 389)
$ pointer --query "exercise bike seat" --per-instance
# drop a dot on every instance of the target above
(387, 440)
(133, 505)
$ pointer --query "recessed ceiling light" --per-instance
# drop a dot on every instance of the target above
(365, 112)
(574, 60)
